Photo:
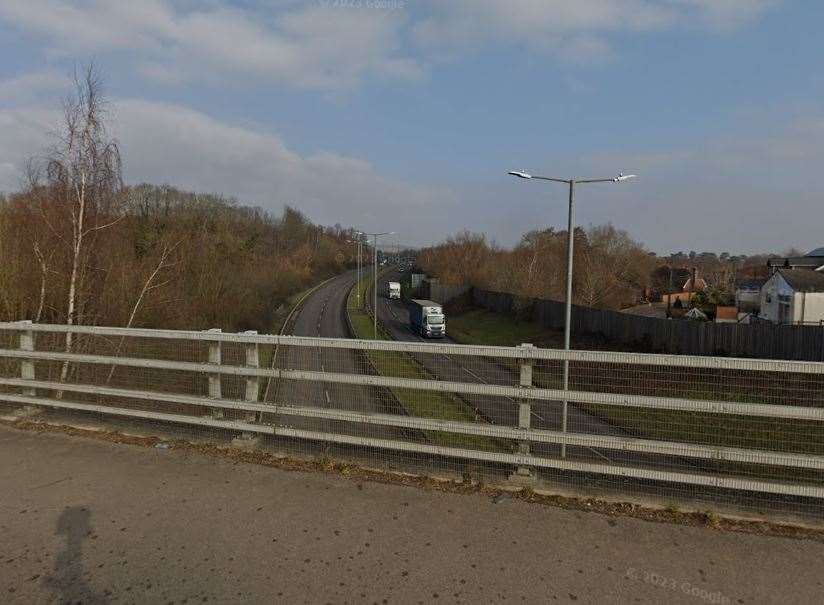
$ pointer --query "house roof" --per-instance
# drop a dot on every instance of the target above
(802, 280)
(810, 261)
(817, 252)
(754, 283)
(700, 284)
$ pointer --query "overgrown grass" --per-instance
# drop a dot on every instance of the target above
(479, 326)
(422, 404)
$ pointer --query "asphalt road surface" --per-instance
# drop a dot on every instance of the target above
(323, 314)
(394, 315)
(93, 522)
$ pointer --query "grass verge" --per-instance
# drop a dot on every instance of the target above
(483, 327)
(422, 404)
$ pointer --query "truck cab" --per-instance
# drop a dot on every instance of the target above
(427, 319)
(393, 290)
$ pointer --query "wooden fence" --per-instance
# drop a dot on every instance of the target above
(761, 340)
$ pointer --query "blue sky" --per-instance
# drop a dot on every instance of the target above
(405, 115)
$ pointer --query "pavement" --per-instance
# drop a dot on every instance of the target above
(93, 522)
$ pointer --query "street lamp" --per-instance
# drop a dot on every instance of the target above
(570, 242)
(357, 241)
(375, 237)
(359, 235)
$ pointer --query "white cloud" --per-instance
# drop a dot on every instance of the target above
(24, 135)
(330, 46)
(33, 87)
(166, 143)
(726, 14)
(312, 46)
(90, 25)
(579, 29)
(717, 195)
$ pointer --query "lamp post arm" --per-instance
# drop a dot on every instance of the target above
(550, 178)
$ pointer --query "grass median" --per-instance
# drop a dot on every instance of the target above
(421, 404)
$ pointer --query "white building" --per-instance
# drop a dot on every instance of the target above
(748, 295)
(813, 260)
(793, 296)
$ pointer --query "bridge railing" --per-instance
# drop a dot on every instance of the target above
(703, 429)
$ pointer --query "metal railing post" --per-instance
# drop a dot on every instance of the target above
(525, 413)
(214, 379)
(252, 382)
(27, 370)
(26, 365)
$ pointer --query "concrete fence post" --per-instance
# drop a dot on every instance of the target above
(252, 382)
(27, 370)
(214, 379)
(27, 365)
(525, 473)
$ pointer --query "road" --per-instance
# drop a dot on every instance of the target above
(323, 313)
(93, 522)
(394, 316)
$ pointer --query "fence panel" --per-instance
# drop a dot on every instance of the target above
(759, 340)
(714, 430)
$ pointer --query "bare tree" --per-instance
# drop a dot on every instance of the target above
(83, 173)
(148, 285)
(43, 264)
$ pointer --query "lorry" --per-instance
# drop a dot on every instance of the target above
(427, 319)
(393, 290)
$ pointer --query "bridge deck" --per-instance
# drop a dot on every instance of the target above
(98, 522)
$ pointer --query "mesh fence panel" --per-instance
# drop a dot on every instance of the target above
(693, 430)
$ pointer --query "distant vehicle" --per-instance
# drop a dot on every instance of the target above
(393, 290)
(427, 319)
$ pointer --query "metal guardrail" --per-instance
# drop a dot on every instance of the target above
(31, 353)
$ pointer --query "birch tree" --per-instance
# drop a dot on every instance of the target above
(83, 173)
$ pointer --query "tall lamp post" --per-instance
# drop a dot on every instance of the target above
(570, 243)
(359, 235)
(357, 242)
(375, 237)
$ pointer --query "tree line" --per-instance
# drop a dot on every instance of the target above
(611, 269)
(77, 246)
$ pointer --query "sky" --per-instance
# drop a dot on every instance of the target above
(405, 115)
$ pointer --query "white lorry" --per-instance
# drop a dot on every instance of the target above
(393, 290)
(427, 318)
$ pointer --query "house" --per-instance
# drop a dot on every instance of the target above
(793, 296)
(813, 260)
(748, 295)
(693, 284)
